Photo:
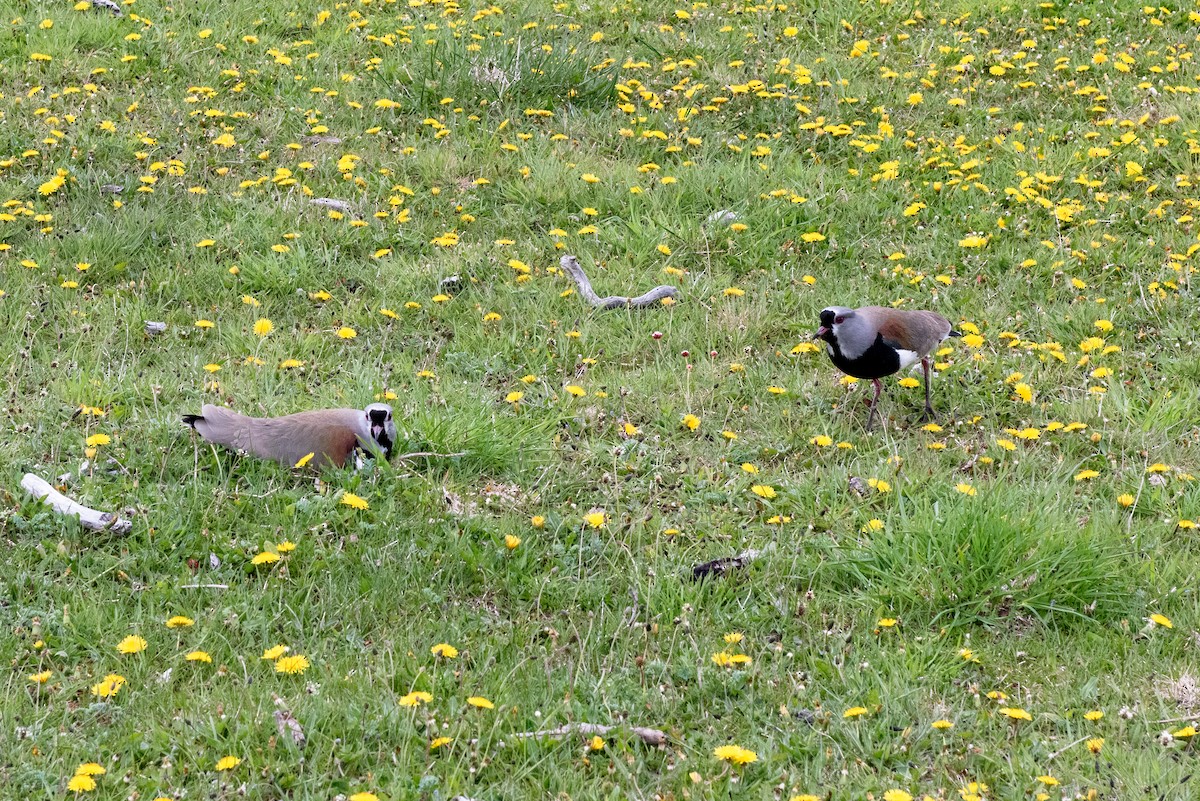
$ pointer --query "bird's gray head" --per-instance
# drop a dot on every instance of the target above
(380, 424)
(847, 330)
(833, 318)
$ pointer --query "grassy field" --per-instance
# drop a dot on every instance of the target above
(1001, 605)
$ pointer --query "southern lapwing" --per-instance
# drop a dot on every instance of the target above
(876, 341)
(317, 438)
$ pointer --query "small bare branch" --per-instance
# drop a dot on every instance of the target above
(89, 518)
(719, 567)
(648, 736)
(571, 266)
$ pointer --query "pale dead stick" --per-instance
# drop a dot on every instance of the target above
(89, 518)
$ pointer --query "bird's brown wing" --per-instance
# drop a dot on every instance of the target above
(917, 331)
(328, 434)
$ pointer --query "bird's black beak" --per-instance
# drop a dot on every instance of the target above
(821, 332)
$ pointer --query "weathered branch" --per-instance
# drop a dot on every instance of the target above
(429, 455)
(89, 518)
(332, 203)
(719, 567)
(571, 266)
(648, 736)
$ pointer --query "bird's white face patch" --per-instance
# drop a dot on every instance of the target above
(907, 357)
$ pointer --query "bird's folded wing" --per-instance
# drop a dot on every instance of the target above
(328, 435)
(917, 331)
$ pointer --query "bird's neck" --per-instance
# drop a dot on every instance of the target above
(848, 347)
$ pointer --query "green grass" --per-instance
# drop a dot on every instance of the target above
(1029, 173)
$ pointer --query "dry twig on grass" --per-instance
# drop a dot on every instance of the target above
(571, 266)
(647, 736)
(719, 567)
(89, 518)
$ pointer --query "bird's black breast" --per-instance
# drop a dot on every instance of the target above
(875, 362)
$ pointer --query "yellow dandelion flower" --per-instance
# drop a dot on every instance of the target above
(854, 712)
(263, 326)
(439, 742)
(90, 769)
(1015, 713)
(764, 491)
(511, 541)
(198, 656)
(479, 702)
(81, 783)
(444, 650)
(1162, 620)
(228, 763)
(596, 519)
(179, 621)
(274, 652)
(131, 644)
(40, 678)
(735, 754)
(297, 663)
(353, 501)
(109, 686)
(346, 332)
(265, 558)
(690, 421)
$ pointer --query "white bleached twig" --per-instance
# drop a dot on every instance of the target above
(89, 518)
(571, 266)
(648, 736)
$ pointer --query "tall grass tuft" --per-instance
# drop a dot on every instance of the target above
(975, 562)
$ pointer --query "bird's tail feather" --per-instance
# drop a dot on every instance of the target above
(954, 333)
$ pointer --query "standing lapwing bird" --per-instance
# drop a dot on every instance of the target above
(317, 438)
(876, 341)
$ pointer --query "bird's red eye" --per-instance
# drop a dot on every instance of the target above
(838, 320)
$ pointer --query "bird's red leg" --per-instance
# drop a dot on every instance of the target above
(928, 406)
(874, 402)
